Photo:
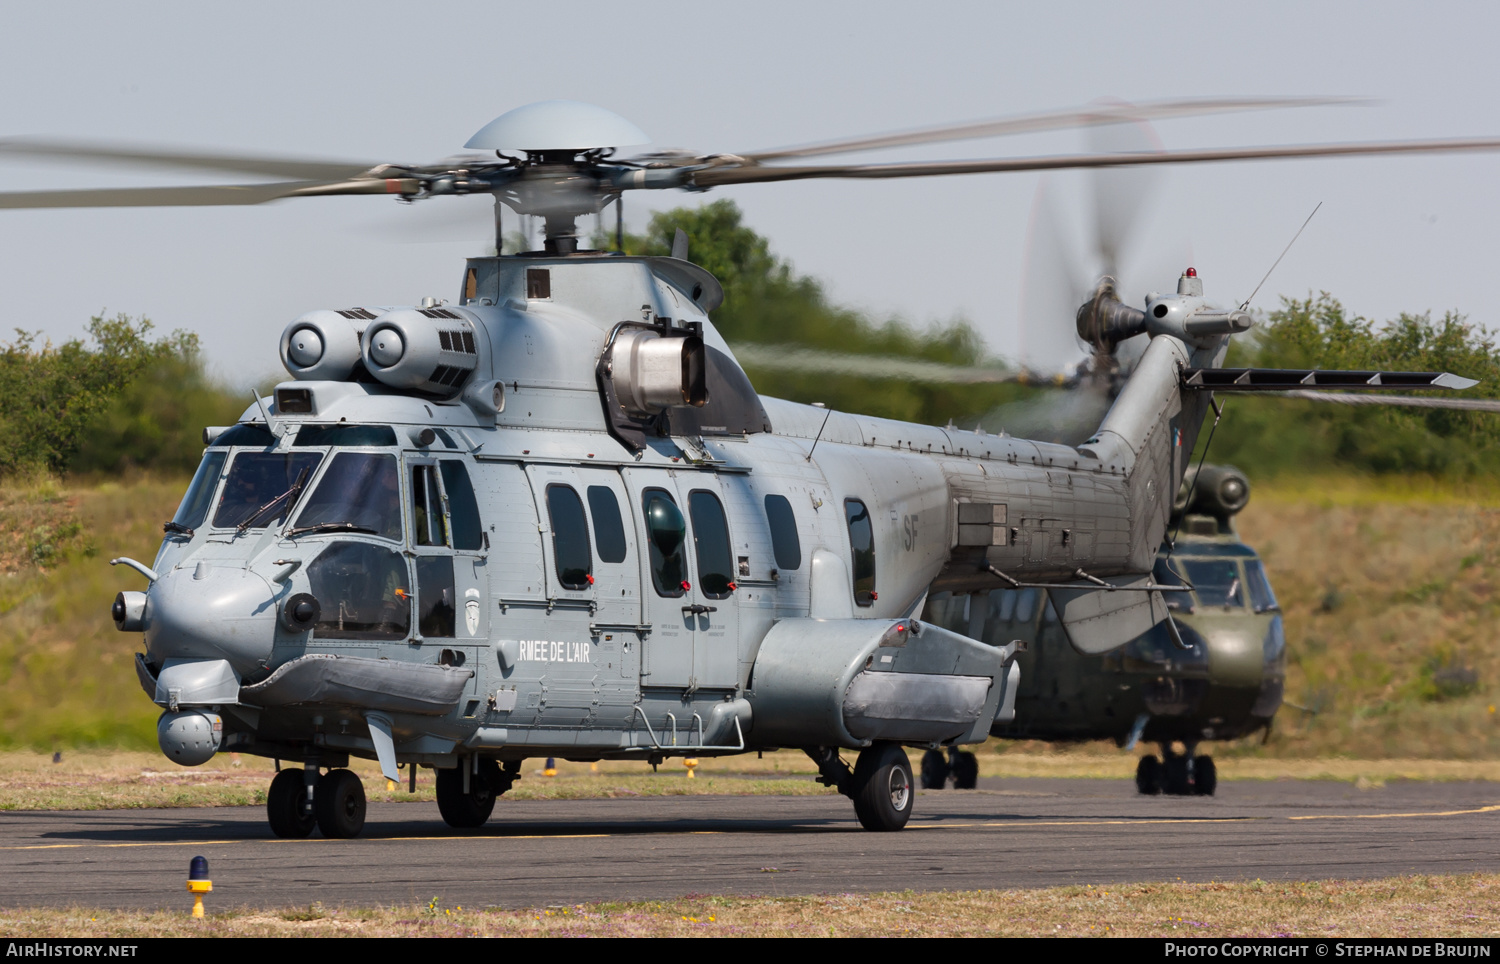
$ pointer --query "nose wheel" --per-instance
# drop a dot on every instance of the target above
(338, 804)
(465, 807)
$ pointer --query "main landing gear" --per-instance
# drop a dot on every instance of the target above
(961, 765)
(1179, 774)
(300, 800)
(880, 784)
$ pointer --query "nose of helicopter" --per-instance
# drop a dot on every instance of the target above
(211, 612)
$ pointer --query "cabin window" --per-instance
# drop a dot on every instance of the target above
(435, 607)
(463, 510)
(609, 528)
(784, 542)
(262, 488)
(570, 538)
(360, 492)
(862, 548)
(429, 527)
(194, 507)
(362, 590)
(711, 542)
(666, 531)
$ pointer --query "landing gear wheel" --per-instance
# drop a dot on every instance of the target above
(1205, 776)
(965, 770)
(1176, 780)
(284, 805)
(340, 804)
(882, 787)
(472, 809)
(1148, 776)
(934, 770)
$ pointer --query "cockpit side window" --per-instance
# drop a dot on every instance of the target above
(570, 537)
(194, 507)
(429, 524)
(363, 591)
(360, 492)
(463, 509)
(862, 547)
(257, 480)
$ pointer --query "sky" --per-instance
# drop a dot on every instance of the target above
(403, 82)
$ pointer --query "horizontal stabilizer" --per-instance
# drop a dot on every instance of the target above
(1098, 620)
(1290, 379)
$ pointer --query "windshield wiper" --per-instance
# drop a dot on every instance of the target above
(177, 527)
(265, 510)
(332, 527)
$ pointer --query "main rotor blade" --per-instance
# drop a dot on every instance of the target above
(208, 194)
(1086, 116)
(1407, 401)
(715, 177)
(816, 362)
(139, 156)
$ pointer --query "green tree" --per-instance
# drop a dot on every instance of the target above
(1275, 435)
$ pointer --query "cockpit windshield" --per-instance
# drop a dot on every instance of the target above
(256, 481)
(1217, 581)
(360, 492)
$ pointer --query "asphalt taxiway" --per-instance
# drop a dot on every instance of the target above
(1008, 833)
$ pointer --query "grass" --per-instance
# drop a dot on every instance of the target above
(1419, 906)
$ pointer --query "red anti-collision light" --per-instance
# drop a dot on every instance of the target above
(1192, 272)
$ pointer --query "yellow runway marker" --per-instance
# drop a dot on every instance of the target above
(1389, 816)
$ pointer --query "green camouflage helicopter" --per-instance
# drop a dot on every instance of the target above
(1226, 685)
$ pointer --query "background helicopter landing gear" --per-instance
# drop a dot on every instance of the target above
(1178, 774)
(472, 809)
(882, 787)
(339, 804)
(286, 808)
(1148, 776)
(961, 765)
(934, 770)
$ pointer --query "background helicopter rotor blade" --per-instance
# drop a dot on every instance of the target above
(1086, 116)
(142, 156)
(715, 177)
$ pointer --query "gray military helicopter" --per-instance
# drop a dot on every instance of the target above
(553, 517)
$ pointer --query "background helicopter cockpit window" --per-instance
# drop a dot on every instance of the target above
(360, 491)
(1216, 581)
(194, 507)
(257, 479)
(1262, 599)
(570, 538)
(862, 547)
(363, 591)
(784, 542)
(711, 539)
(1164, 574)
